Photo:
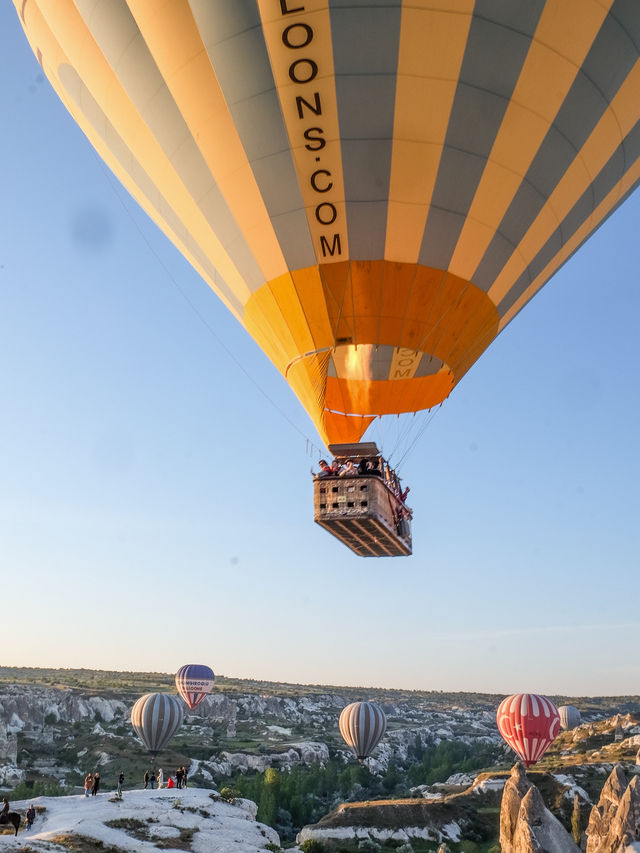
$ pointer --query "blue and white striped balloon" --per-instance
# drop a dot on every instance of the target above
(156, 717)
(194, 681)
(362, 725)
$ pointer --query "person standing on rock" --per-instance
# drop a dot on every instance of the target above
(145, 778)
(184, 776)
(88, 784)
(153, 779)
(96, 783)
(160, 778)
(179, 777)
(30, 816)
(120, 784)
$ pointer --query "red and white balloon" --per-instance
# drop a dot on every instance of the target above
(529, 724)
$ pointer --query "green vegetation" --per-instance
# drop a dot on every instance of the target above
(142, 831)
(138, 829)
(84, 844)
(39, 788)
(437, 763)
(289, 799)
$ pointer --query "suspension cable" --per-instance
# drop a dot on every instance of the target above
(200, 316)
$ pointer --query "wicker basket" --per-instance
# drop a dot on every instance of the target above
(363, 513)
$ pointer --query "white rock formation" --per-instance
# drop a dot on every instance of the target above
(614, 823)
(147, 817)
(29, 706)
(8, 745)
(526, 825)
(537, 830)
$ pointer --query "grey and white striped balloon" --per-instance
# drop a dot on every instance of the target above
(362, 725)
(569, 717)
(156, 717)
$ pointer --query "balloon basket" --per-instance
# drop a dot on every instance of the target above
(364, 514)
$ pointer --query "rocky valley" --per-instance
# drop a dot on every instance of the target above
(436, 779)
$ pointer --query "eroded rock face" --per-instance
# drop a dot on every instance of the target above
(614, 824)
(537, 830)
(605, 809)
(27, 706)
(8, 746)
(526, 825)
(515, 789)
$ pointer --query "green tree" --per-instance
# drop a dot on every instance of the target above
(269, 799)
(391, 778)
(311, 846)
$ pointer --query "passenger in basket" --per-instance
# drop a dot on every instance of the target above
(325, 470)
(363, 467)
(374, 468)
(349, 469)
(336, 467)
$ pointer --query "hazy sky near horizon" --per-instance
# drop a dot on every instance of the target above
(156, 507)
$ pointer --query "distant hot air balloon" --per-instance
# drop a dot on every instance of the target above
(373, 189)
(362, 725)
(529, 723)
(194, 681)
(156, 717)
(569, 717)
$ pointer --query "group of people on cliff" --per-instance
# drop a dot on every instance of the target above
(5, 814)
(91, 784)
(150, 778)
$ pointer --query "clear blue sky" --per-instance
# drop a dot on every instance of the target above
(156, 509)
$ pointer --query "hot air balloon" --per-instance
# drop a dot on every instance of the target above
(156, 717)
(529, 724)
(362, 725)
(194, 681)
(569, 717)
(373, 189)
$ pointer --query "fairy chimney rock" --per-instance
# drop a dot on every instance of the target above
(614, 824)
(603, 813)
(513, 793)
(526, 825)
(537, 830)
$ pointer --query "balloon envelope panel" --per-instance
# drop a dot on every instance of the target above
(374, 190)
(362, 725)
(194, 681)
(529, 724)
(156, 717)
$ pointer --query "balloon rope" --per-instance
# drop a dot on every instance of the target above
(429, 418)
(200, 316)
